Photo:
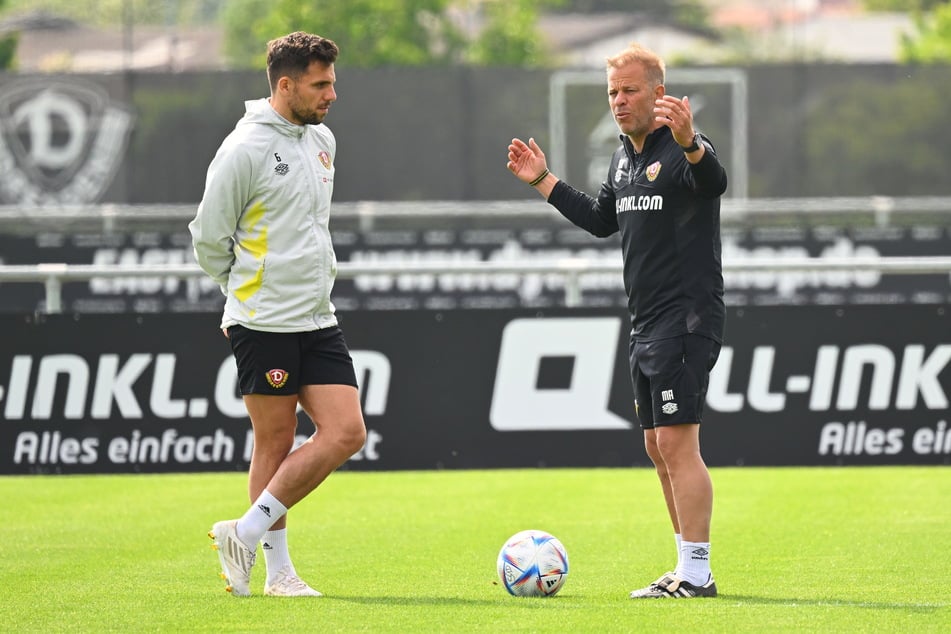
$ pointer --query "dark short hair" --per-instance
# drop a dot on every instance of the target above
(292, 54)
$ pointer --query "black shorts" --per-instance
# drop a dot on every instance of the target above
(670, 379)
(280, 362)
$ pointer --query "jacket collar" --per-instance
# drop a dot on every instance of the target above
(652, 138)
(260, 111)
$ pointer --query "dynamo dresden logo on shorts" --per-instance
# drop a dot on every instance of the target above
(276, 378)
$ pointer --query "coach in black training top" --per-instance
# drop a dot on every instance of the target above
(663, 194)
(668, 213)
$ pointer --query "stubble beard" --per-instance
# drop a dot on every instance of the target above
(304, 114)
(309, 117)
(639, 127)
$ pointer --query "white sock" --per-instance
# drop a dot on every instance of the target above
(276, 555)
(694, 564)
(678, 539)
(263, 512)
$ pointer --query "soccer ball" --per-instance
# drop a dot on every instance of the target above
(533, 563)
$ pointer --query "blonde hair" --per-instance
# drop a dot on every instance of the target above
(637, 54)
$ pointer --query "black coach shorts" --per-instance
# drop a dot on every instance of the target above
(280, 362)
(670, 379)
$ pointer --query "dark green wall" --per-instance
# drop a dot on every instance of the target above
(438, 134)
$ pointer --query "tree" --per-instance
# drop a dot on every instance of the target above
(8, 46)
(509, 37)
(371, 32)
(933, 40)
(378, 33)
(8, 49)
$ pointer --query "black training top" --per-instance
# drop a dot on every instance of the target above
(668, 213)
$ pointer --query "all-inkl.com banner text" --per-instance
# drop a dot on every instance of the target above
(482, 389)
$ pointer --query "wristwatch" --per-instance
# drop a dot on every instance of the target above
(694, 145)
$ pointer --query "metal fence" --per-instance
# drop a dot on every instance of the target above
(880, 210)
(53, 275)
(365, 216)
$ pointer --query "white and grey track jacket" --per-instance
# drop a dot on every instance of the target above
(261, 231)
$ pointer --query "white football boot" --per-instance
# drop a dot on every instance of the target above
(235, 557)
(288, 584)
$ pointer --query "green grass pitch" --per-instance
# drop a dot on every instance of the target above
(794, 550)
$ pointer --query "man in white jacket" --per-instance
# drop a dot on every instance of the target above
(261, 232)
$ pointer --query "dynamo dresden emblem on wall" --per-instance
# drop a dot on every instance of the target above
(61, 141)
